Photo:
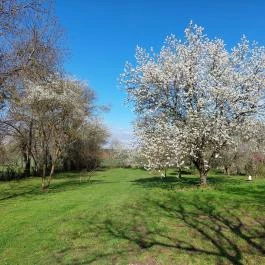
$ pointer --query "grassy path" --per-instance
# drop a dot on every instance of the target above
(125, 216)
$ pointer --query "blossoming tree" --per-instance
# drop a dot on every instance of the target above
(48, 118)
(159, 143)
(207, 91)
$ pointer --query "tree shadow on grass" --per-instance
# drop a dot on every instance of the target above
(176, 225)
(220, 227)
(169, 182)
(73, 184)
(208, 231)
(252, 192)
(55, 187)
(189, 181)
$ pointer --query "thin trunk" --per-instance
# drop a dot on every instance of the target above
(35, 164)
(29, 150)
(25, 162)
(27, 167)
(51, 174)
(178, 175)
(43, 177)
(57, 155)
(43, 182)
(44, 171)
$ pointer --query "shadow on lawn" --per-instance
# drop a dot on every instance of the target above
(197, 226)
(252, 193)
(55, 187)
(172, 182)
(77, 173)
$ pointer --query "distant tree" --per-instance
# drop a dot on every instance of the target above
(85, 152)
(47, 119)
(60, 109)
(43, 112)
(119, 153)
(31, 50)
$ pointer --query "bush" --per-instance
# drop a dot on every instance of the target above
(10, 173)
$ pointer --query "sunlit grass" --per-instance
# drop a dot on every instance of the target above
(126, 216)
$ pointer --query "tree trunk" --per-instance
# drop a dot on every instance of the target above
(43, 177)
(27, 152)
(25, 162)
(51, 174)
(199, 164)
(178, 175)
(226, 170)
(203, 178)
(27, 167)
(28, 164)
(43, 182)
(53, 162)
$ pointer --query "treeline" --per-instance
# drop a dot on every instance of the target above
(244, 158)
(48, 119)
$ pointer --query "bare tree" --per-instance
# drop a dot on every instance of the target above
(85, 152)
(30, 39)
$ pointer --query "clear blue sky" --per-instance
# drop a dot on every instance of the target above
(102, 36)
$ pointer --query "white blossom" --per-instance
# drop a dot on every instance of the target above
(204, 90)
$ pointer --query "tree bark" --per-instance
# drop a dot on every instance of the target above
(26, 161)
(43, 177)
(226, 170)
(27, 167)
(27, 152)
(53, 161)
(199, 164)
(43, 182)
(51, 174)
(203, 178)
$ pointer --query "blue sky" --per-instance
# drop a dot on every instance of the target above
(102, 36)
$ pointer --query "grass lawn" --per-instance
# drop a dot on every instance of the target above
(126, 216)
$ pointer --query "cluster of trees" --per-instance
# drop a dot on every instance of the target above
(120, 154)
(46, 117)
(195, 100)
(246, 156)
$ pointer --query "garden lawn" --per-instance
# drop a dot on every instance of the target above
(126, 216)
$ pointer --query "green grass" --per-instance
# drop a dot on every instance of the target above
(126, 216)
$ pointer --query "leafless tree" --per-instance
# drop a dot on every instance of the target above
(30, 38)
